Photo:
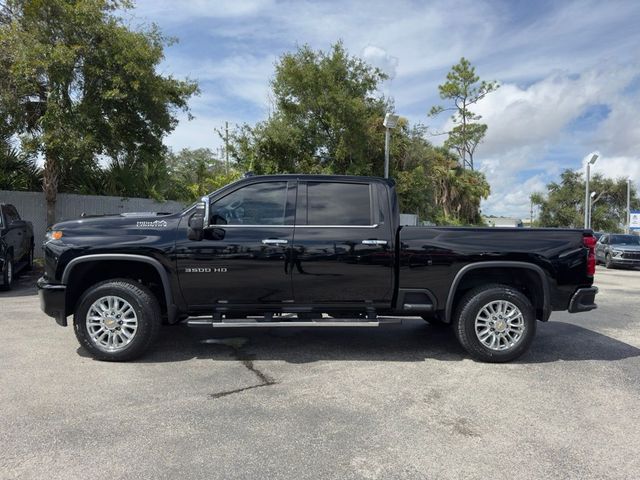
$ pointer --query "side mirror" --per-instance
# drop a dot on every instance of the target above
(199, 221)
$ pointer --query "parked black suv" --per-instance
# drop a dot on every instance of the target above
(16, 245)
(303, 250)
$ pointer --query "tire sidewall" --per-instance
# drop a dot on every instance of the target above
(6, 282)
(148, 317)
(30, 259)
(471, 309)
(607, 261)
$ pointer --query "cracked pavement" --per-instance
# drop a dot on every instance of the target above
(395, 402)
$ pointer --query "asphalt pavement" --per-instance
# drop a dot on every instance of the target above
(399, 401)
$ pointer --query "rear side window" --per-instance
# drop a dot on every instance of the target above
(338, 204)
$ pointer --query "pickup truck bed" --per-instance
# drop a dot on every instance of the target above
(319, 248)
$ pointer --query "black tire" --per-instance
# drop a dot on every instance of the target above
(29, 265)
(144, 304)
(607, 261)
(470, 306)
(8, 273)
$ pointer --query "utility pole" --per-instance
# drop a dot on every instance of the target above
(629, 205)
(226, 145)
(531, 215)
(587, 198)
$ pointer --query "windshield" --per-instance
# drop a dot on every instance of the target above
(625, 240)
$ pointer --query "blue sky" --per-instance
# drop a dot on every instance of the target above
(569, 72)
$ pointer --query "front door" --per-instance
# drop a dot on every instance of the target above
(343, 247)
(242, 261)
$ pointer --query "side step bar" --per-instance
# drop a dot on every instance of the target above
(208, 322)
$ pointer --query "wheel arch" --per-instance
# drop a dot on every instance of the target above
(165, 300)
(539, 296)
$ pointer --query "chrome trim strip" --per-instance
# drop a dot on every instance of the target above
(275, 241)
(198, 323)
(292, 226)
(374, 242)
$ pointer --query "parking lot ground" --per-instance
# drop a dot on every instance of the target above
(395, 402)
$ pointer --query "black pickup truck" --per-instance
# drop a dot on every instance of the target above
(304, 250)
(16, 245)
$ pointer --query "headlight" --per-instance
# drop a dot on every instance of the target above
(616, 253)
(53, 235)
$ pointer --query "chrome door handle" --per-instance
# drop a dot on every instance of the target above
(374, 242)
(275, 241)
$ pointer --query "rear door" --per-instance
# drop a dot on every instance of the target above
(343, 247)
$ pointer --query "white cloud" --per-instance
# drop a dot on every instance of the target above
(526, 123)
(380, 58)
(170, 11)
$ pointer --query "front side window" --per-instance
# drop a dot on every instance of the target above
(338, 204)
(256, 204)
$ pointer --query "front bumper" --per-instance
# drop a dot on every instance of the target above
(53, 300)
(583, 300)
(631, 262)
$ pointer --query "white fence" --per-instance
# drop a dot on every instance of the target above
(33, 208)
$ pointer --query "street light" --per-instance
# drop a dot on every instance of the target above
(628, 204)
(390, 121)
(592, 196)
(587, 206)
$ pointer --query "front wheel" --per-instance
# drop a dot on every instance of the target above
(117, 320)
(29, 259)
(495, 323)
(607, 261)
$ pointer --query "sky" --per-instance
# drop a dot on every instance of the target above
(569, 73)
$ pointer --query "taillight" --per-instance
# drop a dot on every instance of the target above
(589, 241)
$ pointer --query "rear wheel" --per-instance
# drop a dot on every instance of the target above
(495, 323)
(117, 320)
(7, 273)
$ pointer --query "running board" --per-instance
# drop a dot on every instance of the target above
(201, 322)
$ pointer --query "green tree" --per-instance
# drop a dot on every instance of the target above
(464, 89)
(79, 84)
(327, 117)
(195, 173)
(18, 171)
(563, 203)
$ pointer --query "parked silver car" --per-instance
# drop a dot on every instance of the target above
(615, 249)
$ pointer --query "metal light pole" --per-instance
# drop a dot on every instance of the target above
(587, 202)
(390, 121)
(629, 205)
(592, 195)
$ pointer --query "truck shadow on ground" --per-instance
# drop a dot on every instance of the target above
(413, 341)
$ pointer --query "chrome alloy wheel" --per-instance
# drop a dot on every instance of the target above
(111, 323)
(499, 325)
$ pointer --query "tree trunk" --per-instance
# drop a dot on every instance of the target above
(50, 188)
